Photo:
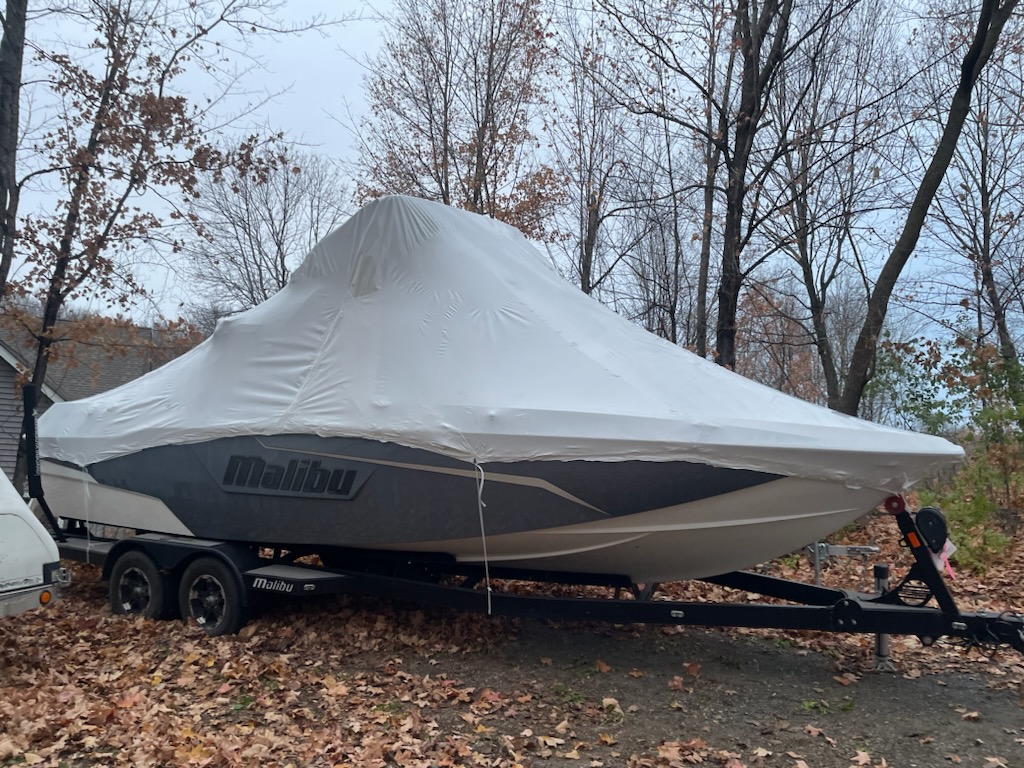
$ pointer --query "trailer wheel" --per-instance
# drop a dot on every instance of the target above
(137, 586)
(210, 594)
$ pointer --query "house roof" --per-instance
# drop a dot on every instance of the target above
(13, 360)
(91, 355)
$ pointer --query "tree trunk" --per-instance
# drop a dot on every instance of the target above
(53, 304)
(990, 24)
(712, 157)
(589, 244)
(755, 79)
(12, 50)
(815, 298)
(58, 289)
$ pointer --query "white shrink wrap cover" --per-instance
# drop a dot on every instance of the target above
(444, 330)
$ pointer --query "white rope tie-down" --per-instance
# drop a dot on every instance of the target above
(483, 532)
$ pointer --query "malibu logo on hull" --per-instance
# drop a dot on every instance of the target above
(298, 477)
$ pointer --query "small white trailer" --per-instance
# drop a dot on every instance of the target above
(30, 571)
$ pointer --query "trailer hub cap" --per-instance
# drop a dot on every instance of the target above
(207, 600)
(134, 591)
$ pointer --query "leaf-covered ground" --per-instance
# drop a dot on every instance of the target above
(366, 682)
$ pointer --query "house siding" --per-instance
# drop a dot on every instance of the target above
(10, 420)
(11, 413)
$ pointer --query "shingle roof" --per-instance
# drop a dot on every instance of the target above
(96, 354)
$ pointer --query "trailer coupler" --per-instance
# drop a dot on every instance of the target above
(990, 631)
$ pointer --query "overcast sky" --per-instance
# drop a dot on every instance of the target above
(316, 81)
(317, 77)
(322, 73)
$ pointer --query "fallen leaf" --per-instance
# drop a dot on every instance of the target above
(550, 741)
(861, 758)
(611, 705)
(671, 751)
(602, 667)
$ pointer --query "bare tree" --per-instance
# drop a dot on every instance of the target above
(253, 230)
(766, 37)
(122, 129)
(979, 47)
(979, 209)
(590, 152)
(454, 95)
(720, 64)
(835, 108)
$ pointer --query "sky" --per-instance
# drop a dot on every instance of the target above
(316, 79)
(321, 73)
(315, 82)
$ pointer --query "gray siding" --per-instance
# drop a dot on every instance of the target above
(10, 418)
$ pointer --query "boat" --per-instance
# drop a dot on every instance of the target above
(30, 571)
(428, 384)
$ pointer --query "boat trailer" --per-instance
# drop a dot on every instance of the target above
(220, 597)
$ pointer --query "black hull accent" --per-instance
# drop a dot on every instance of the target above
(349, 492)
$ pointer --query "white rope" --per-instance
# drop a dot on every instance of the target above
(483, 533)
(88, 525)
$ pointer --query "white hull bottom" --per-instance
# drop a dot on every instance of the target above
(703, 538)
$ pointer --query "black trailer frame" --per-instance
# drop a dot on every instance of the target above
(904, 609)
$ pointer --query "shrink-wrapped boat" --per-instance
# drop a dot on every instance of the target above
(428, 383)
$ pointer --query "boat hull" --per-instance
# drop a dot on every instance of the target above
(649, 521)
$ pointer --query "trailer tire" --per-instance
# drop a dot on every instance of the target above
(137, 587)
(210, 593)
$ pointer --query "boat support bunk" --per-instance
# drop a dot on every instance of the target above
(217, 583)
